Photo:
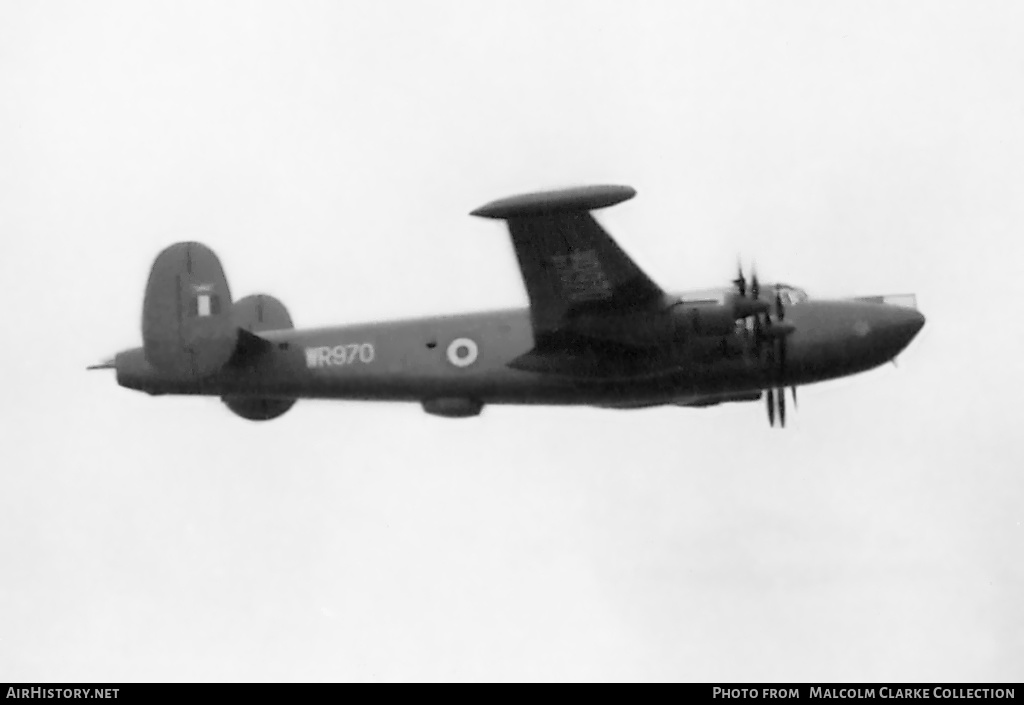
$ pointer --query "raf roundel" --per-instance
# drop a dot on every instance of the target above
(462, 352)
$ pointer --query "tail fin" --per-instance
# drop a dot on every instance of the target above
(255, 314)
(187, 324)
(260, 312)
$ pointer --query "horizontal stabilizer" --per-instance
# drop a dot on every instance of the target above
(255, 314)
(250, 344)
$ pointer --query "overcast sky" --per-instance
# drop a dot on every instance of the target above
(330, 153)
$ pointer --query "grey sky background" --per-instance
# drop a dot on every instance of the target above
(329, 153)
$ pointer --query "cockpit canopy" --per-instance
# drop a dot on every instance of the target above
(790, 294)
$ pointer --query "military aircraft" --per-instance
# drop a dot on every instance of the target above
(598, 332)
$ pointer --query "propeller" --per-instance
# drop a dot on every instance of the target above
(779, 356)
(755, 294)
(770, 332)
(779, 393)
(740, 281)
(782, 407)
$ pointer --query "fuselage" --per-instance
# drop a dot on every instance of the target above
(471, 356)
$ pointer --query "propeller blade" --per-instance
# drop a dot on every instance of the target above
(740, 281)
(755, 286)
(782, 407)
(794, 396)
(771, 406)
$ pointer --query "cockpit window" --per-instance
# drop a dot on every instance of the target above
(791, 295)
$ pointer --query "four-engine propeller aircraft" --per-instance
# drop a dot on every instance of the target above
(598, 332)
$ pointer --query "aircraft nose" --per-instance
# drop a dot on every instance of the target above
(915, 322)
(896, 328)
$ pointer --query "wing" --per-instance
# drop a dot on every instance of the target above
(582, 287)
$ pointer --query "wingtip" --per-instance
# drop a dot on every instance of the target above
(579, 198)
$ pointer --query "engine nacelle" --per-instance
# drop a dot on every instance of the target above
(702, 320)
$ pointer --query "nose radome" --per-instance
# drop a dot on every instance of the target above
(915, 321)
(909, 321)
(899, 327)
